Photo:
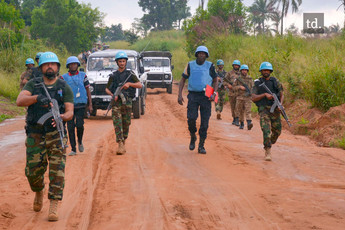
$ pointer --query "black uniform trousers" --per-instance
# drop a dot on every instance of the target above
(198, 100)
(76, 122)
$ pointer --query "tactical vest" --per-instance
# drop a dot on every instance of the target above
(119, 78)
(199, 76)
(272, 85)
(76, 82)
(36, 111)
(221, 74)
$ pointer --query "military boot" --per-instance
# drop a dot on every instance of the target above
(242, 125)
(53, 214)
(201, 148)
(237, 122)
(233, 121)
(249, 124)
(121, 148)
(38, 201)
(268, 154)
(192, 141)
(219, 116)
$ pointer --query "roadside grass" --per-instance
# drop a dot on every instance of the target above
(340, 143)
(9, 109)
(4, 117)
(119, 45)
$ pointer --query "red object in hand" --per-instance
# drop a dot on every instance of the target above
(209, 91)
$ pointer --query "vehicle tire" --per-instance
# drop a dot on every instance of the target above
(143, 105)
(136, 108)
(94, 111)
(169, 89)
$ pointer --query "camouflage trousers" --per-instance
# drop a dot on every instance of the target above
(41, 150)
(232, 100)
(121, 114)
(244, 107)
(270, 125)
(221, 97)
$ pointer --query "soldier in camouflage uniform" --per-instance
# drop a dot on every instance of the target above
(122, 106)
(270, 122)
(25, 76)
(242, 86)
(221, 88)
(229, 80)
(43, 145)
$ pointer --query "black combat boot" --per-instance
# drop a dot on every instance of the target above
(242, 125)
(233, 121)
(249, 124)
(192, 141)
(237, 122)
(201, 148)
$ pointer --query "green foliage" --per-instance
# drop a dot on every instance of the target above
(303, 121)
(161, 14)
(74, 25)
(27, 7)
(130, 36)
(113, 33)
(10, 25)
(4, 117)
(339, 142)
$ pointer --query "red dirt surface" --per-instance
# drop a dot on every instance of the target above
(160, 184)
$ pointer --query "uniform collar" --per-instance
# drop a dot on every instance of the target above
(76, 73)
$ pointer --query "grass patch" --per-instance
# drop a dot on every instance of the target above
(4, 117)
(340, 143)
(303, 121)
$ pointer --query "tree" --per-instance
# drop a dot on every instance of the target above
(113, 33)
(130, 36)
(10, 25)
(285, 8)
(161, 14)
(27, 7)
(342, 4)
(15, 3)
(262, 10)
(139, 27)
(67, 22)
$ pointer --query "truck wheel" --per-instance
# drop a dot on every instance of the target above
(136, 108)
(143, 105)
(169, 89)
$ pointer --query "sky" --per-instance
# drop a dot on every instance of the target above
(124, 12)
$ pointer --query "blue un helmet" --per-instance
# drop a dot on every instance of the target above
(236, 62)
(220, 62)
(121, 55)
(72, 59)
(201, 49)
(38, 55)
(29, 61)
(244, 67)
(266, 65)
(48, 57)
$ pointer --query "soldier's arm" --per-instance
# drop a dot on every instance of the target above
(68, 115)
(257, 97)
(25, 98)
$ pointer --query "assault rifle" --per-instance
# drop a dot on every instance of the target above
(55, 113)
(248, 91)
(276, 103)
(118, 92)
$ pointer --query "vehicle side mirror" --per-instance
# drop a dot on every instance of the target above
(141, 69)
(81, 69)
(172, 67)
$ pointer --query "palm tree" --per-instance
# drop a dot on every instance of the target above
(262, 10)
(275, 17)
(342, 4)
(285, 8)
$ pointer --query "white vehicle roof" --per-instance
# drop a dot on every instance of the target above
(112, 53)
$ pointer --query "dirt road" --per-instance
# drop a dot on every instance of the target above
(160, 184)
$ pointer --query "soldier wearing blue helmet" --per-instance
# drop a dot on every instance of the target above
(229, 80)
(199, 74)
(79, 83)
(43, 142)
(127, 82)
(25, 76)
(243, 86)
(221, 89)
(270, 122)
(36, 72)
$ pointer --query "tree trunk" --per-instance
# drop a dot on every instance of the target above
(282, 20)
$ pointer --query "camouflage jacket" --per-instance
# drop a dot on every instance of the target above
(230, 78)
(240, 81)
(25, 76)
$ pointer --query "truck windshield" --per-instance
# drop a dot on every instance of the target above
(107, 63)
(148, 62)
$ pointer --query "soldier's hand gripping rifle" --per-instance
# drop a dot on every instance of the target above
(117, 93)
(55, 113)
(248, 91)
(276, 103)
